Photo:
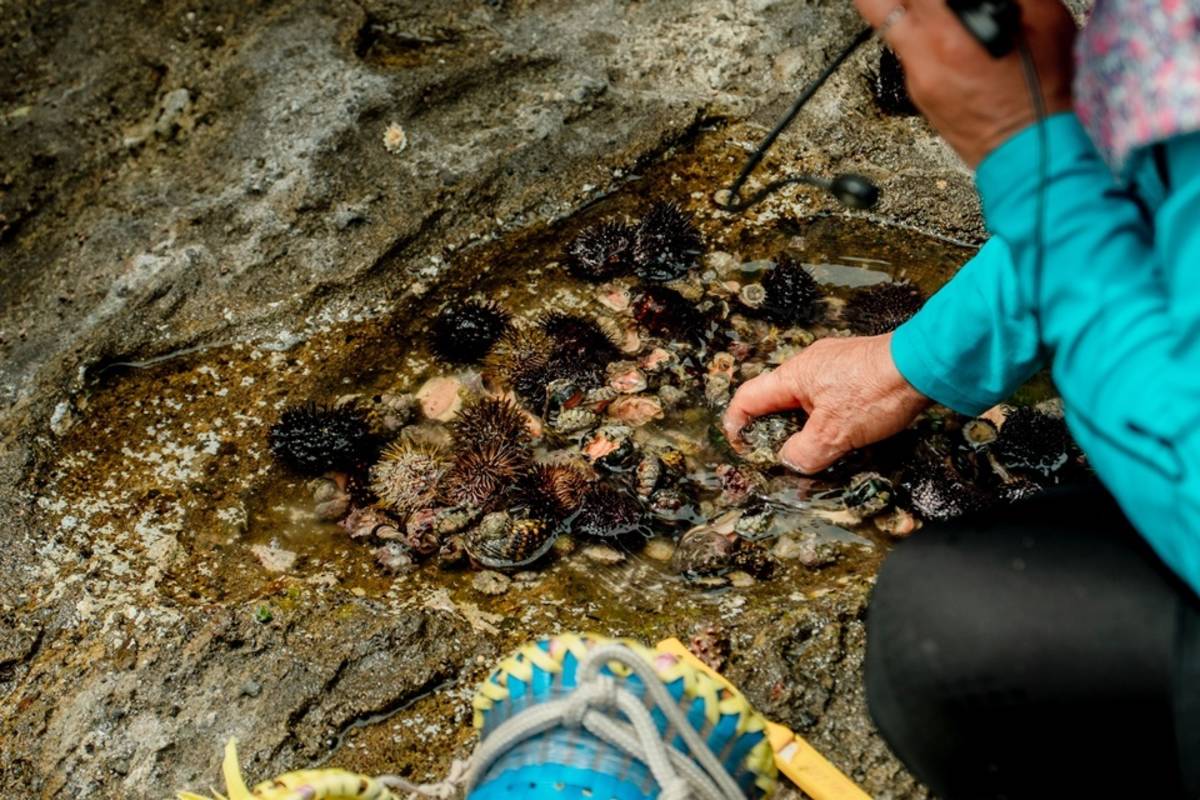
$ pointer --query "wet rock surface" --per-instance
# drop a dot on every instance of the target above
(204, 211)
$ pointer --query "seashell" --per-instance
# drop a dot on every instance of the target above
(421, 534)
(598, 399)
(574, 420)
(657, 360)
(609, 441)
(332, 502)
(765, 435)
(897, 523)
(647, 474)
(452, 520)
(625, 378)
(501, 542)
(602, 554)
(739, 484)
(636, 410)
(364, 523)
(671, 396)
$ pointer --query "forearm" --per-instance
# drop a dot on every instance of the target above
(976, 340)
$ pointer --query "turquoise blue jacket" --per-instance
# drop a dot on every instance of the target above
(1107, 305)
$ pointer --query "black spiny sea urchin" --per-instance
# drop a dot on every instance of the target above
(580, 350)
(314, 439)
(888, 87)
(602, 251)
(464, 331)
(668, 243)
(406, 477)
(1034, 441)
(883, 307)
(792, 295)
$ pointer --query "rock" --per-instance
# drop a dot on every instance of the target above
(491, 582)
(659, 549)
(273, 558)
(441, 398)
(740, 579)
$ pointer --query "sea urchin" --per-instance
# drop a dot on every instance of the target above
(792, 296)
(406, 477)
(602, 251)
(883, 307)
(668, 244)
(464, 331)
(314, 439)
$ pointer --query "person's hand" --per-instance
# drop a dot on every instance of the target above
(851, 389)
(975, 101)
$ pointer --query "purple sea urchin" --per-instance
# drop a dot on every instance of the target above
(607, 512)
(937, 491)
(664, 312)
(312, 439)
(792, 294)
(883, 307)
(520, 360)
(668, 244)
(580, 350)
(482, 474)
(464, 331)
(490, 419)
(1033, 441)
(553, 491)
(406, 477)
(602, 251)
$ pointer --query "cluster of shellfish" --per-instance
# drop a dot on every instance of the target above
(600, 423)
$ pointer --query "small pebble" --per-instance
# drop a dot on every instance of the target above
(740, 579)
(274, 559)
(659, 549)
(603, 554)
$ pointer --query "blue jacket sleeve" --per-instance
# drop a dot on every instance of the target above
(976, 340)
(1123, 346)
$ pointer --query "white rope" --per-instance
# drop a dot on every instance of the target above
(696, 775)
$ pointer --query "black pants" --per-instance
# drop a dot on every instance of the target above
(1038, 651)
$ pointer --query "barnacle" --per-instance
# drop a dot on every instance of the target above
(668, 243)
(792, 296)
(883, 307)
(406, 477)
(602, 251)
(664, 312)
(313, 439)
(463, 332)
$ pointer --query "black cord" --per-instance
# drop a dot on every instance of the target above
(734, 202)
(1029, 67)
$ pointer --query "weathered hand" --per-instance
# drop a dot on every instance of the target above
(851, 389)
(975, 101)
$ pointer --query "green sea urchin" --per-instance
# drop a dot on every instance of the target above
(602, 251)
(883, 307)
(668, 244)
(406, 477)
(464, 331)
(792, 296)
(312, 439)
